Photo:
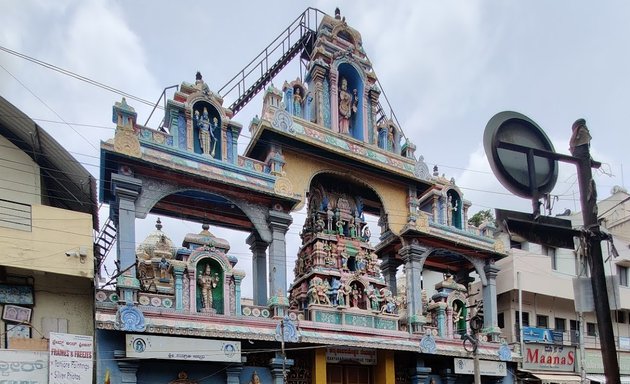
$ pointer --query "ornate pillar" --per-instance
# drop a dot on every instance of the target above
(449, 322)
(232, 374)
(128, 368)
(277, 371)
(178, 272)
(441, 318)
(192, 290)
(389, 267)
(449, 377)
(238, 278)
(373, 95)
(259, 268)
(334, 100)
(414, 255)
(419, 373)
(279, 225)
(490, 301)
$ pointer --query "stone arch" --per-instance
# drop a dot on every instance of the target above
(154, 190)
(477, 263)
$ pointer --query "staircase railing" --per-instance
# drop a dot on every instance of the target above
(298, 37)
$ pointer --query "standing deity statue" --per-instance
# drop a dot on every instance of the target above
(345, 107)
(203, 124)
(207, 282)
(355, 296)
(297, 102)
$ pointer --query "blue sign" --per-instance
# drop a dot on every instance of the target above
(541, 335)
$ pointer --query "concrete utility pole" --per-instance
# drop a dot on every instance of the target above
(579, 146)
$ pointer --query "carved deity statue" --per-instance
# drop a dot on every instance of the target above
(345, 107)
(207, 140)
(207, 282)
(297, 102)
(255, 379)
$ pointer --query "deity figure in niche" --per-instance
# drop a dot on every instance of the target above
(346, 105)
(255, 379)
(355, 296)
(390, 139)
(297, 102)
(207, 140)
(207, 282)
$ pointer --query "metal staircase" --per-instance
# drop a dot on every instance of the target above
(104, 243)
(298, 37)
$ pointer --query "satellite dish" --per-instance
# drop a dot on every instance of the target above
(512, 167)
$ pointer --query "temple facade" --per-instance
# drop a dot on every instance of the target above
(387, 304)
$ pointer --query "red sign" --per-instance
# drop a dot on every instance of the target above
(549, 357)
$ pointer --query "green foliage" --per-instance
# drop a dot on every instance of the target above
(480, 217)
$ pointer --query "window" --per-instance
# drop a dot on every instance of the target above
(574, 324)
(621, 317)
(525, 319)
(516, 244)
(561, 324)
(551, 252)
(590, 329)
(541, 321)
(501, 320)
(622, 272)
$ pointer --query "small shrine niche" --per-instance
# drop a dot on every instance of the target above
(454, 209)
(298, 100)
(351, 90)
(447, 310)
(207, 130)
(389, 137)
(213, 285)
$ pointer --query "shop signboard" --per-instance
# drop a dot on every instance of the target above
(486, 367)
(181, 348)
(71, 358)
(23, 366)
(546, 357)
(542, 335)
(362, 356)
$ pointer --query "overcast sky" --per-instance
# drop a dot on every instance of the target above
(446, 67)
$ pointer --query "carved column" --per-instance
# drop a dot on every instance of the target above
(449, 377)
(277, 373)
(389, 267)
(419, 373)
(259, 268)
(232, 374)
(334, 100)
(441, 318)
(178, 272)
(490, 301)
(128, 368)
(374, 93)
(238, 278)
(192, 290)
(414, 255)
(279, 225)
(449, 322)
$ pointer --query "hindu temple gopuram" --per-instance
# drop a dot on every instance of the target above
(381, 300)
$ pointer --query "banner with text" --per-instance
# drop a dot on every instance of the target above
(486, 367)
(181, 348)
(23, 366)
(360, 355)
(70, 358)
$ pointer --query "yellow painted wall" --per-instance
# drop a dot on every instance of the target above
(20, 180)
(300, 169)
(54, 232)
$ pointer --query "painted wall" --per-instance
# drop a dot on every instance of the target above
(300, 171)
(20, 181)
(62, 304)
(54, 232)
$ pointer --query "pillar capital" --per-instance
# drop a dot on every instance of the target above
(256, 243)
(126, 187)
(413, 252)
(491, 270)
(279, 221)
